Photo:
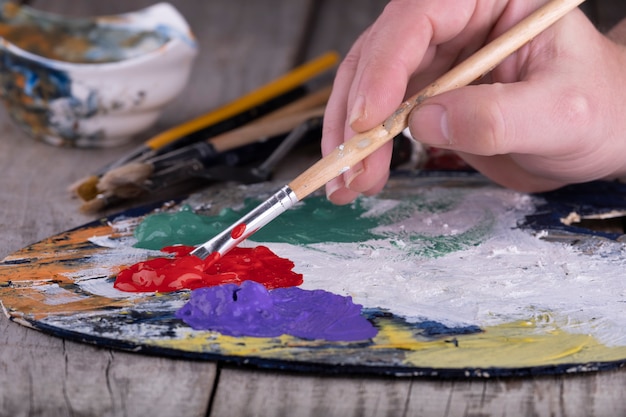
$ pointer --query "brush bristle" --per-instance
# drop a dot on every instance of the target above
(88, 190)
(95, 204)
(84, 187)
(133, 174)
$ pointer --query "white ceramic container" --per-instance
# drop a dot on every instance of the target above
(92, 82)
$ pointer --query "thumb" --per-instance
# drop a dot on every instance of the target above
(498, 119)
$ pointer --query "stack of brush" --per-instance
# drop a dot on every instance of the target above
(221, 145)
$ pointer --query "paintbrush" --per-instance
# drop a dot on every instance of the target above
(137, 178)
(229, 166)
(195, 129)
(87, 188)
(363, 144)
(277, 122)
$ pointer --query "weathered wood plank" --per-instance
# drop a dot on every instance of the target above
(339, 24)
(47, 376)
(257, 393)
(573, 395)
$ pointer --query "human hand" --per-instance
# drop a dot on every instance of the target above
(545, 117)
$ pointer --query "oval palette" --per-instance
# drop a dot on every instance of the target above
(458, 276)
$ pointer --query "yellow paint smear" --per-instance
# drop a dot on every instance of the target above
(513, 345)
(262, 347)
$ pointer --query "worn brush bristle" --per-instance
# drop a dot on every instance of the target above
(130, 175)
(95, 205)
(85, 188)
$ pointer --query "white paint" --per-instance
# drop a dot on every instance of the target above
(364, 143)
(55, 295)
(510, 276)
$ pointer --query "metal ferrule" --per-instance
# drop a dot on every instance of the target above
(264, 213)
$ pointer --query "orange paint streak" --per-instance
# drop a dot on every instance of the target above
(49, 259)
(36, 305)
(50, 262)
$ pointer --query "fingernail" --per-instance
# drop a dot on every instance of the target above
(358, 109)
(333, 186)
(433, 124)
(352, 173)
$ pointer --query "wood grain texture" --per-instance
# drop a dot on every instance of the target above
(297, 395)
(244, 44)
(47, 376)
(253, 393)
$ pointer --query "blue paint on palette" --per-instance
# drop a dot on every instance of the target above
(586, 200)
(425, 328)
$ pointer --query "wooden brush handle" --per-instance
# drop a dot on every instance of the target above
(483, 61)
(279, 121)
(312, 100)
(263, 129)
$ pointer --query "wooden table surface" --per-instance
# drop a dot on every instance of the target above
(243, 44)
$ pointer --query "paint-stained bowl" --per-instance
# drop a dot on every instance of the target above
(92, 82)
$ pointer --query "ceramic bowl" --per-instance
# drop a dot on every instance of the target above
(92, 82)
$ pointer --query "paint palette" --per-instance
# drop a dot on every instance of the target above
(458, 276)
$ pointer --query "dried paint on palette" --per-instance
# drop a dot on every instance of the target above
(248, 292)
(318, 221)
(233, 295)
(187, 227)
(454, 273)
(454, 257)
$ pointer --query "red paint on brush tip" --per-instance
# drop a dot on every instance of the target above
(212, 258)
(238, 231)
(257, 264)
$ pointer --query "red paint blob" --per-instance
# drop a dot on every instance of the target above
(257, 264)
(212, 258)
(238, 230)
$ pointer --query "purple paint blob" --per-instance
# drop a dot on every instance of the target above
(252, 310)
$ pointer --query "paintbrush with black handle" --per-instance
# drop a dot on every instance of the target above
(218, 159)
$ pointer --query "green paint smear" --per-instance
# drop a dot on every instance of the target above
(430, 247)
(316, 220)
